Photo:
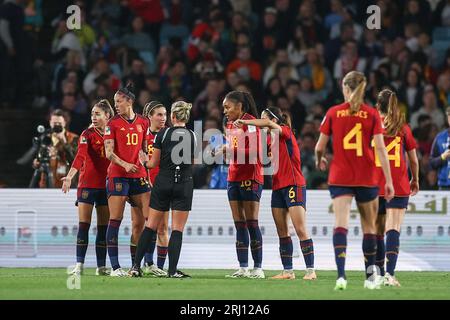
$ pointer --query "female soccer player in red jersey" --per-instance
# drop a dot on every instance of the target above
(244, 180)
(399, 142)
(353, 125)
(156, 112)
(289, 191)
(92, 164)
(125, 135)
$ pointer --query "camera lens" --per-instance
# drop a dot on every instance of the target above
(57, 128)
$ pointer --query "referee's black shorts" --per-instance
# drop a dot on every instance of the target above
(166, 194)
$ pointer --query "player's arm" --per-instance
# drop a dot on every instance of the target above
(111, 156)
(380, 149)
(414, 165)
(321, 147)
(150, 163)
(262, 123)
(77, 163)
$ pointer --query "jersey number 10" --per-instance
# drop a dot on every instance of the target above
(132, 139)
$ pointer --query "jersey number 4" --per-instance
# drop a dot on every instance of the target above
(356, 132)
(395, 146)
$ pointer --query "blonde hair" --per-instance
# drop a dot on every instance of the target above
(181, 110)
(356, 81)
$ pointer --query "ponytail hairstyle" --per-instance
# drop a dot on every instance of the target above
(181, 110)
(246, 99)
(128, 91)
(105, 106)
(356, 81)
(387, 104)
(150, 107)
(283, 119)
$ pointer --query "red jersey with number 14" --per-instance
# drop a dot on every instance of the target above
(396, 148)
(128, 139)
(353, 157)
(289, 171)
(151, 140)
(90, 160)
(245, 148)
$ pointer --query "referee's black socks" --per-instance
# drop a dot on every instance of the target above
(147, 237)
(176, 239)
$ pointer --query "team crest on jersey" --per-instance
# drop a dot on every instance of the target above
(139, 128)
(83, 140)
(118, 187)
(85, 194)
(107, 130)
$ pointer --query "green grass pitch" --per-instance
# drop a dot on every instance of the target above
(50, 283)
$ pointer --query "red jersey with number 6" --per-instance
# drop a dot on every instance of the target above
(128, 137)
(396, 148)
(90, 160)
(244, 141)
(151, 140)
(288, 161)
(353, 161)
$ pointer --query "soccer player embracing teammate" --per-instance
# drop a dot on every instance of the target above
(289, 190)
(245, 181)
(353, 173)
(92, 164)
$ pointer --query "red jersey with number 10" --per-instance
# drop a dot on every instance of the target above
(245, 148)
(90, 160)
(353, 161)
(396, 148)
(151, 140)
(128, 139)
(289, 171)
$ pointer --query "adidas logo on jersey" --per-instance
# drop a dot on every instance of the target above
(122, 129)
(292, 200)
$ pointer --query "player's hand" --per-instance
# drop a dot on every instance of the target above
(414, 185)
(323, 165)
(67, 182)
(388, 191)
(446, 154)
(143, 157)
(131, 168)
(239, 123)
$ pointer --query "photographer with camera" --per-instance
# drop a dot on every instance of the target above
(440, 156)
(56, 151)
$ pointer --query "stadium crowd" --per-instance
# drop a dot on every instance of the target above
(288, 53)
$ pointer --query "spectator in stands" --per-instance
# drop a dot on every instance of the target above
(348, 61)
(100, 74)
(268, 35)
(429, 107)
(141, 42)
(245, 66)
(62, 150)
(281, 57)
(177, 17)
(440, 156)
(297, 48)
(273, 91)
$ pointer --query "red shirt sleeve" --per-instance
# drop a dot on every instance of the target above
(325, 126)
(83, 143)
(285, 132)
(410, 142)
(377, 126)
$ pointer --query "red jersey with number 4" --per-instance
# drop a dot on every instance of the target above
(90, 160)
(151, 140)
(353, 157)
(128, 137)
(244, 141)
(396, 148)
(288, 161)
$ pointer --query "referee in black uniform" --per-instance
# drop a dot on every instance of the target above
(174, 149)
